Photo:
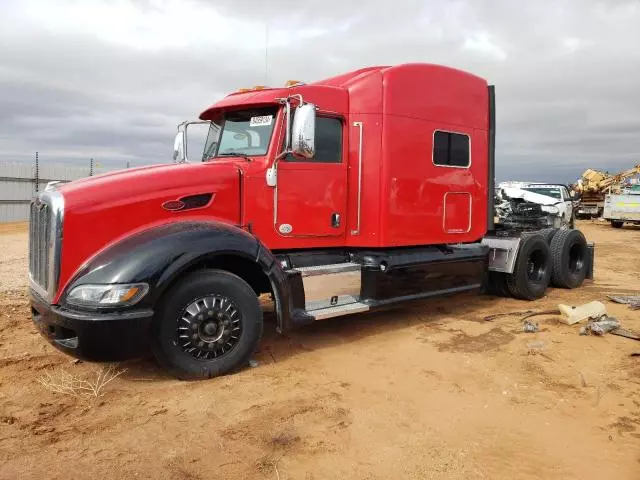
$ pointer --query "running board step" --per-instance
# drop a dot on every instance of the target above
(328, 269)
(338, 311)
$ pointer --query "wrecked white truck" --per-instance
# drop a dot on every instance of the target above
(534, 205)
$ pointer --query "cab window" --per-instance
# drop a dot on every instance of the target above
(328, 142)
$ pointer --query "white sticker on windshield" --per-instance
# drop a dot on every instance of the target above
(263, 121)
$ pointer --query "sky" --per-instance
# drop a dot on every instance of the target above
(111, 79)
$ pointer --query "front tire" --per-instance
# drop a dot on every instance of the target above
(209, 324)
(617, 223)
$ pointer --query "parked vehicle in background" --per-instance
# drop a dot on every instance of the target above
(594, 185)
(623, 208)
(556, 204)
(377, 182)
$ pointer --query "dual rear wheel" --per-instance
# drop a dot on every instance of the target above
(556, 257)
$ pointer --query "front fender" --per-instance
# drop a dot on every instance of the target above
(156, 256)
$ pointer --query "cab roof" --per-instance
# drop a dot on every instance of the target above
(414, 89)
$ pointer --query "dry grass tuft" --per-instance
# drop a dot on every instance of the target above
(63, 382)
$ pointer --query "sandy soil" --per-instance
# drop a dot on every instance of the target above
(429, 390)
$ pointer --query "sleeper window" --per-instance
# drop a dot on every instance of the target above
(451, 149)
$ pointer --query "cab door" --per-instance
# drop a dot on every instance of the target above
(312, 193)
(567, 203)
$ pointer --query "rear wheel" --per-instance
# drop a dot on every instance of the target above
(569, 253)
(617, 223)
(548, 234)
(531, 273)
(209, 324)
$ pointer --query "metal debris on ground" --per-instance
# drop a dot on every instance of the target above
(253, 363)
(623, 332)
(529, 327)
(524, 313)
(489, 318)
(632, 300)
(606, 324)
(603, 325)
(555, 311)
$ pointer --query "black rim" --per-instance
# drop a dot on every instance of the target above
(209, 327)
(576, 258)
(536, 266)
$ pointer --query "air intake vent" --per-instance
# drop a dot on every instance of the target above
(45, 242)
(39, 238)
(196, 201)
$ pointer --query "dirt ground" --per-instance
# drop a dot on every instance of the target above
(428, 390)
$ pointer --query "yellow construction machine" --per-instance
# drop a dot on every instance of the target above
(593, 185)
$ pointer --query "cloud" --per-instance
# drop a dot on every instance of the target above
(111, 79)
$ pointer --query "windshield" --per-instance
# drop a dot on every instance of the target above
(549, 192)
(245, 132)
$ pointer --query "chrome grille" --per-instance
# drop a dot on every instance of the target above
(39, 240)
(45, 242)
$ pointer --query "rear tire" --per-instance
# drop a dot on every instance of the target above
(617, 224)
(570, 255)
(532, 270)
(548, 234)
(209, 324)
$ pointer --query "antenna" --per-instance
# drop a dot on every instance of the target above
(37, 175)
(266, 54)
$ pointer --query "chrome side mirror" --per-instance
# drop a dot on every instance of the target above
(303, 131)
(179, 154)
(272, 176)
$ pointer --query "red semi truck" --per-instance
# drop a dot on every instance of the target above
(378, 183)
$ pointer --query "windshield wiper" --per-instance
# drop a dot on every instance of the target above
(235, 154)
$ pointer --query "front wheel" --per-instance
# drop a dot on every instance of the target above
(208, 325)
(617, 223)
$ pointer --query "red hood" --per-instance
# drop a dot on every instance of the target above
(103, 209)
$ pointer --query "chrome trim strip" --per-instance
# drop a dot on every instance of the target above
(356, 231)
(329, 269)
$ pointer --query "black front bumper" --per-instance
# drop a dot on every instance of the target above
(94, 336)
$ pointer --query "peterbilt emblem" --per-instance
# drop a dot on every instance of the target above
(173, 205)
(285, 228)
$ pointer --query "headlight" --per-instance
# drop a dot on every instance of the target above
(107, 295)
(550, 209)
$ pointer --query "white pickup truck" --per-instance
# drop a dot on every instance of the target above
(621, 208)
(554, 199)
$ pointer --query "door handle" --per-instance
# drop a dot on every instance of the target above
(335, 220)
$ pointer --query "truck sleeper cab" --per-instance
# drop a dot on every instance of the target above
(375, 184)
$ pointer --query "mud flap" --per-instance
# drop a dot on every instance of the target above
(591, 249)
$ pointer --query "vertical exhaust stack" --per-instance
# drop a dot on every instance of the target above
(491, 170)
